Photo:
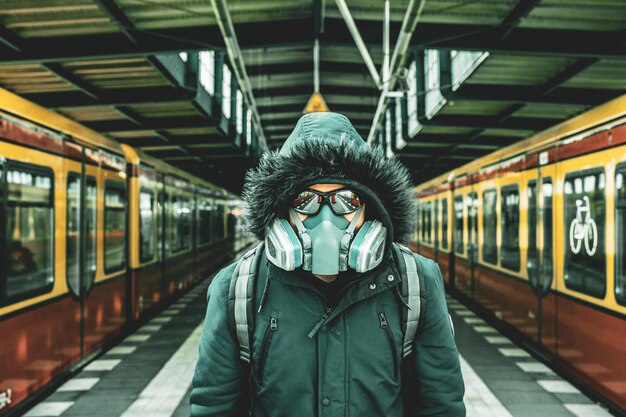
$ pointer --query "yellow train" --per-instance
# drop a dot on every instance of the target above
(94, 235)
(536, 234)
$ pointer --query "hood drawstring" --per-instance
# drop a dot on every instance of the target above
(400, 298)
(264, 294)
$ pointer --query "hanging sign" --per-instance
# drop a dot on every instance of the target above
(315, 104)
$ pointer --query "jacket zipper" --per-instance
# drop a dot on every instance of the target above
(385, 326)
(267, 338)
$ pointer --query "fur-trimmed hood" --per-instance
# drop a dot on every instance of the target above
(325, 148)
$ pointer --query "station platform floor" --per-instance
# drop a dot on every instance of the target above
(149, 373)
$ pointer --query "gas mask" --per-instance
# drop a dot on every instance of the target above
(325, 243)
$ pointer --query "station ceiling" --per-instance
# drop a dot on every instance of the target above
(113, 65)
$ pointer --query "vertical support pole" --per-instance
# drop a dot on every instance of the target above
(385, 69)
(318, 28)
(316, 66)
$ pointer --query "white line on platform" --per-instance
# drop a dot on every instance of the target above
(464, 313)
(49, 408)
(485, 329)
(122, 350)
(479, 400)
(163, 394)
(161, 320)
(558, 387)
(514, 352)
(78, 384)
(498, 340)
(150, 328)
(103, 365)
(137, 338)
(171, 311)
(587, 410)
(473, 320)
(534, 367)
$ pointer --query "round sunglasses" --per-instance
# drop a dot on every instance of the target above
(341, 201)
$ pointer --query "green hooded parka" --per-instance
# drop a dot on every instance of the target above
(313, 359)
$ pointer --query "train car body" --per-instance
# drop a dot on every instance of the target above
(93, 237)
(536, 234)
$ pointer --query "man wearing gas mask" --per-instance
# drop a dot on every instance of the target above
(329, 315)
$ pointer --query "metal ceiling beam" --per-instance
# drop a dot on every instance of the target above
(67, 76)
(291, 120)
(126, 96)
(117, 45)
(513, 19)
(490, 122)
(10, 40)
(339, 108)
(555, 42)
(300, 90)
(521, 41)
(306, 66)
(534, 94)
(453, 139)
(163, 123)
(118, 16)
(568, 73)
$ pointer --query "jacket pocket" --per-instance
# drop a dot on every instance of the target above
(265, 343)
(392, 344)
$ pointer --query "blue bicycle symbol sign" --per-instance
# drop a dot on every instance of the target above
(583, 229)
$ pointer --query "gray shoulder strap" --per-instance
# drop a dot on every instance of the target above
(242, 283)
(413, 299)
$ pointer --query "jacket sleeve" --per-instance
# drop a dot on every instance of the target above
(434, 380)
(219, 386)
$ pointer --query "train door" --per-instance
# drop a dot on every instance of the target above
(472, 234)
(539, 263)
(161, 230)
(436, 228)
(81, 236)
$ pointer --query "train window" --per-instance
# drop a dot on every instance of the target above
(546, 264)
(159, 225)
(584, 217)
(472, 226)
(114, 226)
(620, 235)
(420, 215)
(444, 223)
(531, 256)
(509, 228)
(29, 231)
(427, 222)
(146, 226)
(73, 233)
(167, 222)
(204, 218)
(490, 226)
(181, 224)
(436, 228)
(458, 224)
(418, 221)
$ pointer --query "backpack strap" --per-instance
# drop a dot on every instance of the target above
(240, 299)
(410, 287)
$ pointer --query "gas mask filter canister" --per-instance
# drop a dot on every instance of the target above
(325, 243)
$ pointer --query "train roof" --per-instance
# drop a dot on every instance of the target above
(605, 113)
(16, 106)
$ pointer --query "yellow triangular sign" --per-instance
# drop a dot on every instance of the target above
(316, 103)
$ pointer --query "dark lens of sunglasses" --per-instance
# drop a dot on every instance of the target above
(307, 202)
(345, 201)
